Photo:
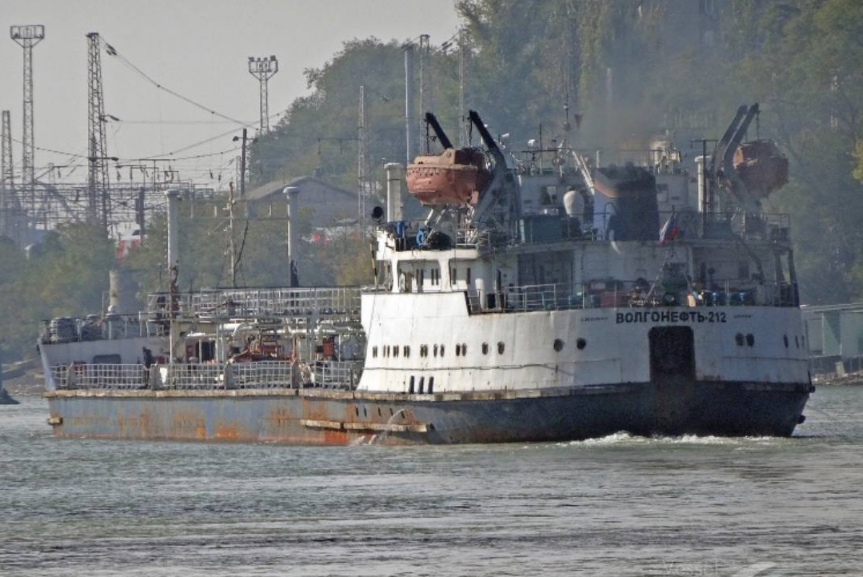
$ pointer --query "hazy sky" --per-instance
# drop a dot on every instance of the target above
(198, 48)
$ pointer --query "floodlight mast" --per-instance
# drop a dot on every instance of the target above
(28, 36)
(263, 69)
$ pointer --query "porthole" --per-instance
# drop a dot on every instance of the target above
(558, 345)
(750, 340)
(580, 344)
(738, 338)
(785, 340)
(485, 348)
(500, 347)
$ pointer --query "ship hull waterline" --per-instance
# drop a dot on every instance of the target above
(671, 407)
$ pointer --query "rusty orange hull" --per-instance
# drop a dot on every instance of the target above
(317, 417)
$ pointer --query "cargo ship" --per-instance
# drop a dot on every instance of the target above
(545, 297)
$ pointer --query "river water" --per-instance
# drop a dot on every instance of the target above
(613, 506)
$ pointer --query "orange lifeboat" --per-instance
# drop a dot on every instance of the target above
(456, 176)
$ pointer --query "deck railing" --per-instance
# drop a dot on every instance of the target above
(620, 294)
(108, 376)
(209, 376)
(95, 328)
(254, 303)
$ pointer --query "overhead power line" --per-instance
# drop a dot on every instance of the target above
(113, 52)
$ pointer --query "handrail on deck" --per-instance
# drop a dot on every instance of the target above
(617, 294)
(342, 375)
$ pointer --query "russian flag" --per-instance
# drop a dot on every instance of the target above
(669, 230)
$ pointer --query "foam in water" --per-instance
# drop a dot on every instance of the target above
(623, 438)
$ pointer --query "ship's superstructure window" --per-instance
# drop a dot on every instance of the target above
(738, 338)
(431, 385)
(785, 340)
(458, 350)
(424, 350)
(463, 349)
(407, 351)
(500, 347)
(485, 348)
(411, 386)
(580, 344)
(441, 350)
(435, 350)
(750, 340)
(558, 345)
(422, 383)
(395, 351)
(374, 352)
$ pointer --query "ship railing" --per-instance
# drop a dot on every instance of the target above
(619, 294)
(261, 375)
(186, 376)
(95, 328)
(249, 303)
(335, 374)
(107, 376)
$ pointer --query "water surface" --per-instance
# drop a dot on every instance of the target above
(615, 506)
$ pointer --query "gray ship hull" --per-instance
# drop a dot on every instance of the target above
(312, 416)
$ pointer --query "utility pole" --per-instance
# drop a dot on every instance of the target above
(362, 160)
(263, 69)
(27, 37)
(462, 80)
(425, 99)
(97, 189)
(231, 248)
(7, 181)
(409, 102)
(242, 182)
